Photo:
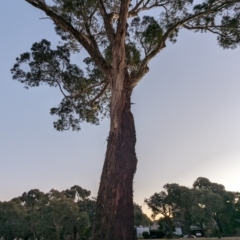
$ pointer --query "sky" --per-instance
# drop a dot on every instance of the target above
(186, 112)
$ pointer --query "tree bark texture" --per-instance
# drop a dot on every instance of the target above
(114, 219)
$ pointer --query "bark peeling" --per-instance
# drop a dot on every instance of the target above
(114, 214)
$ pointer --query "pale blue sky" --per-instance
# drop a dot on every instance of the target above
(187, 118)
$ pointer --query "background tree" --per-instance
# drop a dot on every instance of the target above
(218, 204)
(62, 213)
(160, 203)
(164, 204)
(182, 199)
(166, 226)
(52, 215)
(207, 205)
(120, 43)
(11, 218)
(140, 219)
(174, 205)
(32, 203)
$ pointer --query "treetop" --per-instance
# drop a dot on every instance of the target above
(140, 28)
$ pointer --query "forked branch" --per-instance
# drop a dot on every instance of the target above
(100, 93)
(85, 40)
(182, 23)
(107, 22)
(143, 5)
(78, 94)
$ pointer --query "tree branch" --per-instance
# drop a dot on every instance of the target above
(137, 9)
(83, 39)
(122, 20)
(142, 69)
(60, 87)
(190, 27)
(100, 93)
(77, 94)
(107, 22)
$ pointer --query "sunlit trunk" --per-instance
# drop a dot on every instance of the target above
(114, 215)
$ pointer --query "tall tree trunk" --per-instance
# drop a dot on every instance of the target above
(114, 219)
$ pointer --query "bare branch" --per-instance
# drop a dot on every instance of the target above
(59, 85)
(100, 93)
(190, 27)
(77, 94)
(137, 9)
(42, 18)
(212, 29)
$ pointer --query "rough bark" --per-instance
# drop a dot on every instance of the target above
(114, 215)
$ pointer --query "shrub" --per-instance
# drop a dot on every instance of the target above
(145, 235)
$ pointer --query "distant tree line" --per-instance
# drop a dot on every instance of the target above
(70, 214)
(60, 215)
(206, 205)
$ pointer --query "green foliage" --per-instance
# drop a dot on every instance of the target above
(140, 219)
(77, 13)
(207, 205)
(133, 56)
(85, 24)
(53, 215)
(53, 68)
(102, 28)
(145, 235)
(30, 199)
(159, 203)
(88, 205)
(148, 32)
(77, 193)
(218, 206)
(166, 226)
(11, 218)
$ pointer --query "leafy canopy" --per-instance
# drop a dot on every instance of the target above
(207, 204)
(96, 26)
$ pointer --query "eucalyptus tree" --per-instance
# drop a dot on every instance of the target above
(216, 206)
(120, 37)
(174, 204)
(11, 216)
(61, 218)
(140, 219)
